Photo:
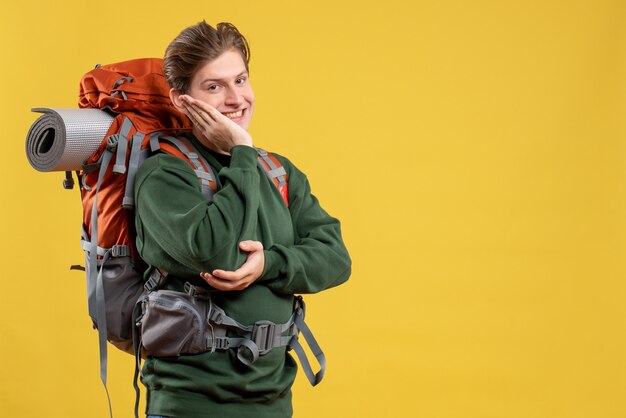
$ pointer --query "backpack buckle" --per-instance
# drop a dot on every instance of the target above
(220, 343)
(120, 251)
(112, 141)
(263, 335)
(216, 316)
(195, 291)
(155, 280)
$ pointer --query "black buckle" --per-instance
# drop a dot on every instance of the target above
(68, 181)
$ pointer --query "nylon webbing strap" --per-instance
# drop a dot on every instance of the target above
(115, 251)
(242, 344)
(194, 157)
(218, 316)
(87, 247)
(154, 142)
(96, 276)
(136, 317)
(122, 143)
(258, 338)
(205, 176)
(120, 81)
(120, 158)
(277, 172)
(314, 378)
(145, 153)
(274, 171)
(135, 155)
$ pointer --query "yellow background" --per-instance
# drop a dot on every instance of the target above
(474, 151)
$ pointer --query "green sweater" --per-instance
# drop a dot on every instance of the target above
(183, 234)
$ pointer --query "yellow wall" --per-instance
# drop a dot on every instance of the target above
(473, 149)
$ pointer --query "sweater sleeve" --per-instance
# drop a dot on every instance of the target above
(174, 219)
(318, 259)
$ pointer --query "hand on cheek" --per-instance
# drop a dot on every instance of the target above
(216, 131)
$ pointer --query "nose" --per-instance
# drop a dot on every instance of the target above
(233, 97)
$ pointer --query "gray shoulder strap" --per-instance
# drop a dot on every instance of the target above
(206, 176)
(274, 171)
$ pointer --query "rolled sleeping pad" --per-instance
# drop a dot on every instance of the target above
(62, 139)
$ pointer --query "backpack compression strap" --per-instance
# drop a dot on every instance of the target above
(95, 273)
(133, 165)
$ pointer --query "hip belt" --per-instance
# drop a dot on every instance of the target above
(172, 323)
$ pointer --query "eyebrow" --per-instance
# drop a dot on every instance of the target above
(208, 80)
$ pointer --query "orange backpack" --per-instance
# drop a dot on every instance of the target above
(139, 94)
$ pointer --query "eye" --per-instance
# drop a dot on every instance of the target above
(213, 87)
(241, 81)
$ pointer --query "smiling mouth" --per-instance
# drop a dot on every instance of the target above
(234, 115)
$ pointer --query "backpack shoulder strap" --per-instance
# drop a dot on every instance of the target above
(275, 172)
(183, 148)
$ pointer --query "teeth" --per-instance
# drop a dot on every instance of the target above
(234, 114)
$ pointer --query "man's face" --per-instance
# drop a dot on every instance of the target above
(223, 83)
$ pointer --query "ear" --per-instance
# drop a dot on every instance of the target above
(175, 98)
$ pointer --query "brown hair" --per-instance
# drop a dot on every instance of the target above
(197, 45)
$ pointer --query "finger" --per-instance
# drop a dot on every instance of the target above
(205, 107)
(206, 276)
(206, 111)
(200, 118)
(236, 275)
(220, 286)
(227, 285)
(193, 116)
(251, 246)
(216, 283)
